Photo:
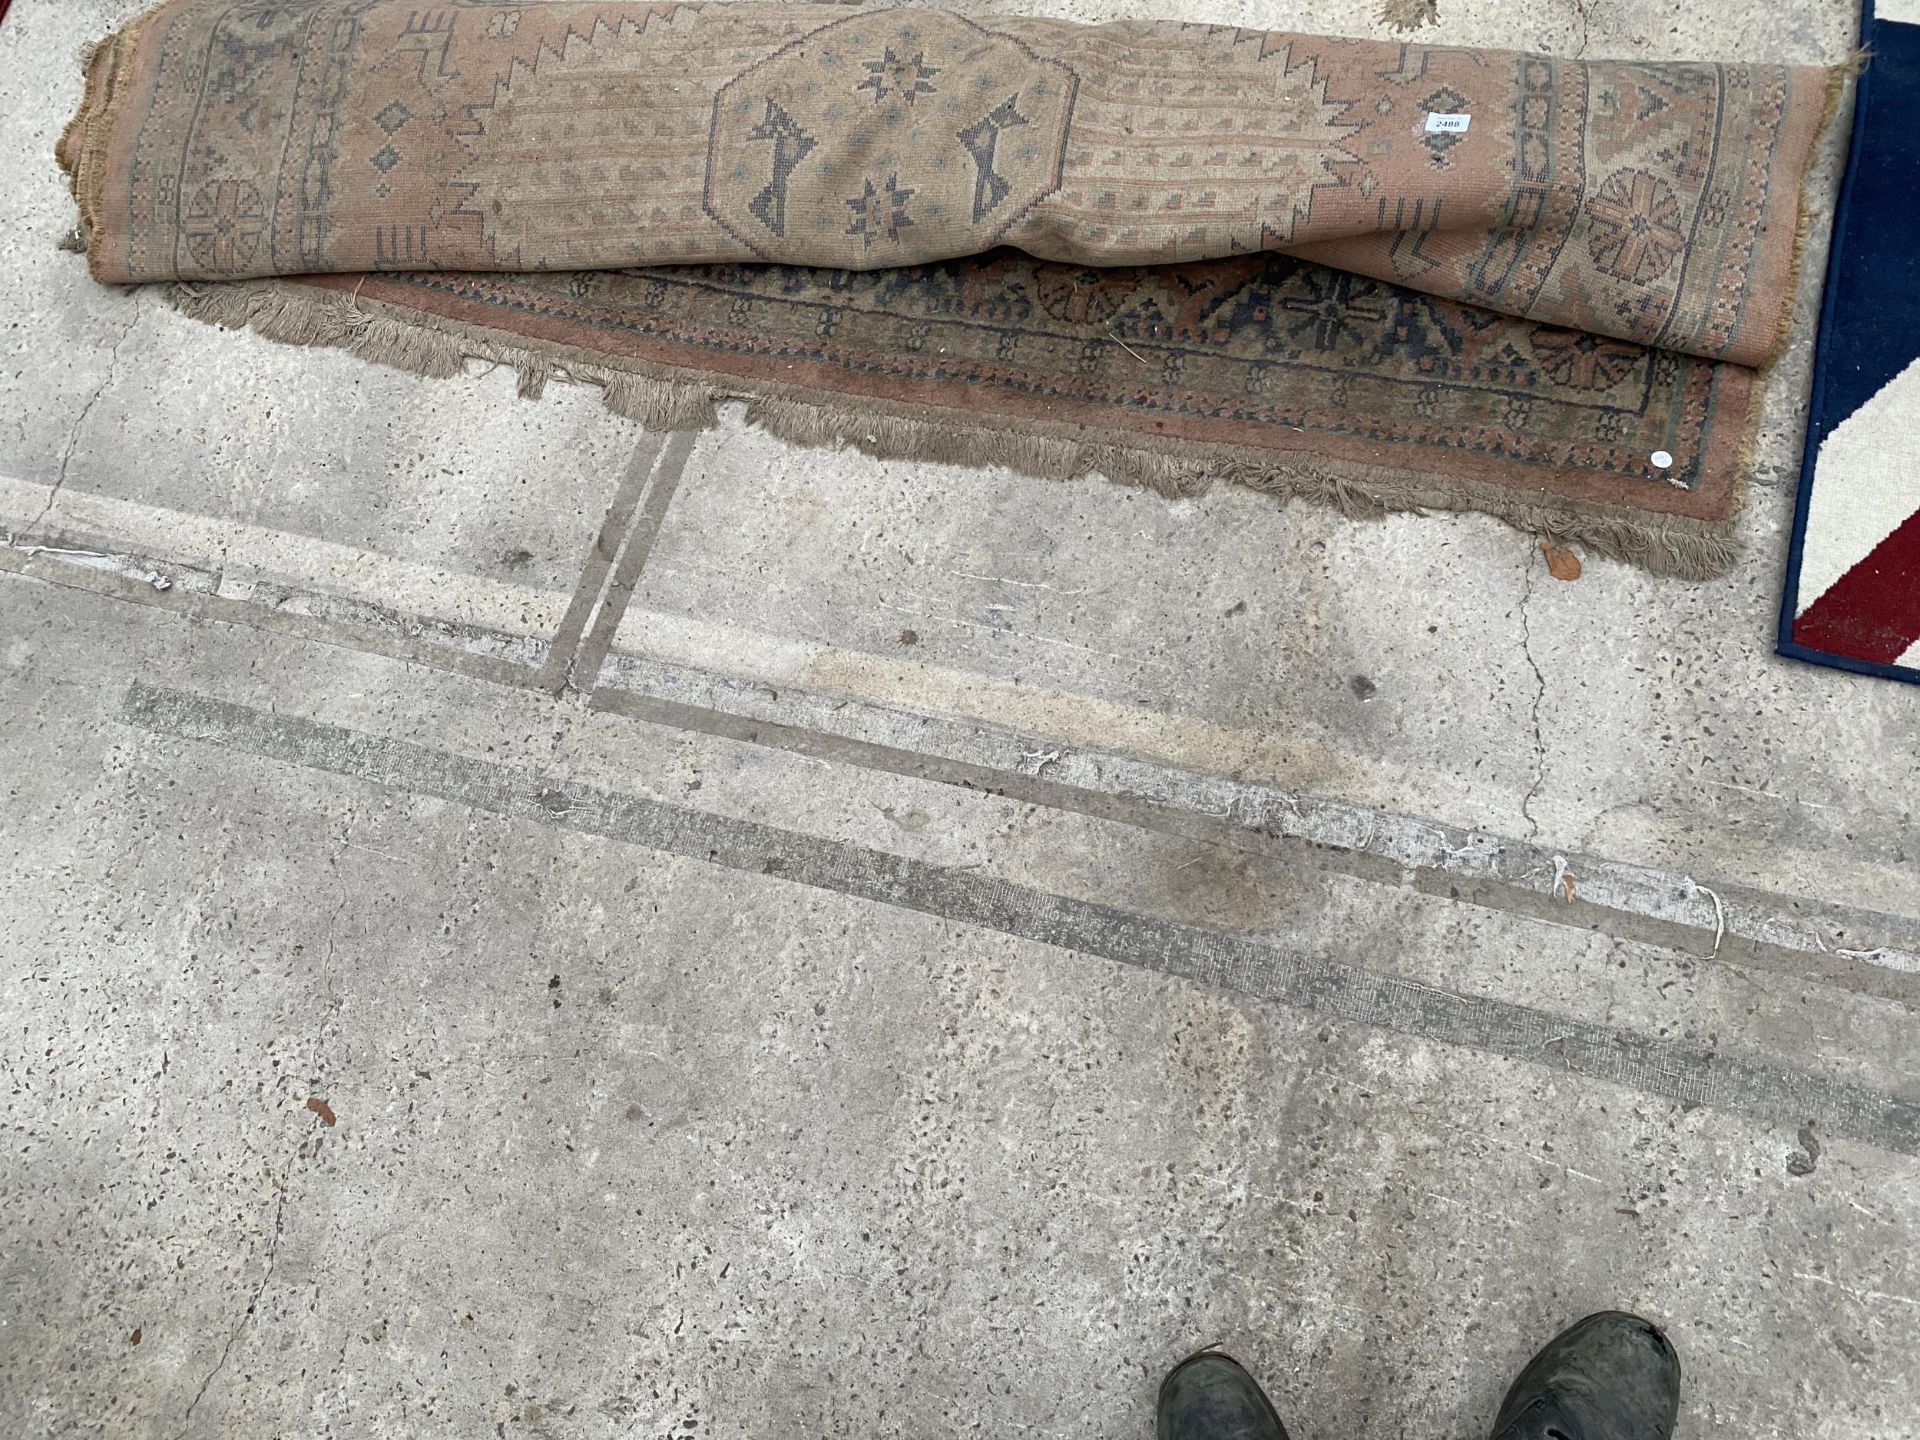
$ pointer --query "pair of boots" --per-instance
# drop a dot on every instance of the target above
(1611, 1377)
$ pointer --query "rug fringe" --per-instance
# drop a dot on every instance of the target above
(660, 398)
(1812, 210)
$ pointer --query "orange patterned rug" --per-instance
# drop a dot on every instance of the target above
(1380, 274)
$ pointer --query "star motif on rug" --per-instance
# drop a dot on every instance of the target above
(880, 214)
(891, 75)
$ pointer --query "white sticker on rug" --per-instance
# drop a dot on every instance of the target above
(1438, 124)
(1901, 12)
(1864, 484)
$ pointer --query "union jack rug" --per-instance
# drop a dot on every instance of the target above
(1853, 575)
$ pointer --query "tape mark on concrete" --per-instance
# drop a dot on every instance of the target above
(557, 671)
(1774, 1094)
(584, 669)
(1789, 935)
(491, 655)
(1866, 951)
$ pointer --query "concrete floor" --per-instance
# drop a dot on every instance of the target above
(952, 944)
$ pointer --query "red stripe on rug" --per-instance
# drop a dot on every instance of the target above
(1873, 611)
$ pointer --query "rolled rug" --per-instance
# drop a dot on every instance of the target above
(1526, 251)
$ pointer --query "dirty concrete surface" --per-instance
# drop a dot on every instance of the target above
(519, 926)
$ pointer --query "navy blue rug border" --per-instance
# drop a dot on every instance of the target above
(1816, 421)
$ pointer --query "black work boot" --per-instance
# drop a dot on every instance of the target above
(1209, 1397)
(1611, 1377)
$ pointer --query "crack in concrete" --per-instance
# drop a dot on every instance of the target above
(1585, 10)
(286, 1177)
(1539, 698)
(80, 420)
(226, 1351)
(327, 1001)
